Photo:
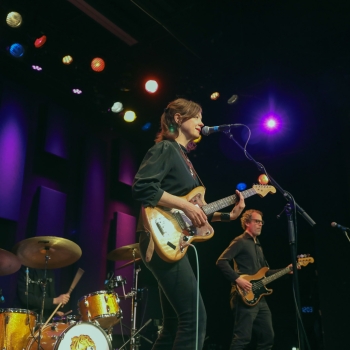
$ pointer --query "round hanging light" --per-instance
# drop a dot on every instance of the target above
(98, 64)
(40, 41)
(16, 50)
(14, 19)
(67, 59)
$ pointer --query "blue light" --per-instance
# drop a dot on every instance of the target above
(16, 50)
(307, 309)
(241, 186)
(146, 126)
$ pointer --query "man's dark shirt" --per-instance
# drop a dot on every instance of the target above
(247, 255)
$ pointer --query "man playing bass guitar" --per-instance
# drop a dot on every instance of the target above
(248, 258)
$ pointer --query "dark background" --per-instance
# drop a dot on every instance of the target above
(288, 57)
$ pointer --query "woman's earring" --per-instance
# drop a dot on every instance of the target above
(171, 128)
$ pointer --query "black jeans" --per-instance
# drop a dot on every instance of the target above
(178, 297)
(249, 319)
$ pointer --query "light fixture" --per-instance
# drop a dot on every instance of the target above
(37, 68)
(117, 107)
(16, 50)
(129, 116)
(77, 91)
(151, 86)
(98, 64)
(39, 42)
(214, 96)
(67, 60)
(14, 19)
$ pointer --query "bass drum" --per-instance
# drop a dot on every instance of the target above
(62, 336)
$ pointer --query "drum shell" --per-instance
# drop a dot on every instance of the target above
(16, 325)
(101, 306)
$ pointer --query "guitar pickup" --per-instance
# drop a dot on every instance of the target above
(160, 228)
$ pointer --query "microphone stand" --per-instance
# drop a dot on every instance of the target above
(289, 209)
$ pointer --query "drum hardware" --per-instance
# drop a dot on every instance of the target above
(126, 253)
(2, 299)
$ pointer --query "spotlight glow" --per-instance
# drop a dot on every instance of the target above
(37, 68)
(14, 19)
(151, 86)
(16, 50)
(98, 64)
(40, 41)
(117, 107)
(272, 123)
(67, 60)
(214, 96)
(129, 116)
(77, 91)
(146, 126)
(241, 186)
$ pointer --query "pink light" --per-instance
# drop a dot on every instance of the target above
(77, 91)
(38, 68)
(271, 123)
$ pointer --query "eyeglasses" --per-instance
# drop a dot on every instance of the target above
(258, 221)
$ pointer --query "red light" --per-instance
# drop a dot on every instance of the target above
(98, 64)
(40, 41)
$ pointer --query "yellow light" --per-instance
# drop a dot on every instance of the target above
(67, 59)
(98, 64)
(129, 116)
(197, 140)
(214, 96)
(14, 19)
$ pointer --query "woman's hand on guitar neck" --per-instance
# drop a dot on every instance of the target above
(244, 284)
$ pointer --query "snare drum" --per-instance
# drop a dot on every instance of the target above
(62, 336)
(15, 327)
(101, 306)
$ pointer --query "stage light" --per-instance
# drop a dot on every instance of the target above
(272, 123)
(37, 68)
(263, 179)
(39, 42)
(151, 86)
(98, 64)
(146, 126)
(117, 107)
(77, 91)
(129, 116)
(214, 96)
(67, 60)
(16, 50)
(14, 19)
(241, 186)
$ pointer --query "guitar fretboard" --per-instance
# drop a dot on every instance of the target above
(276, 275)
(225, 202)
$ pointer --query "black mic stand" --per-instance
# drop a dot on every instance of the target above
(47, 257)
(289, 209)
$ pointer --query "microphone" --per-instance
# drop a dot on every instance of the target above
(27, 279)
(343, 228)
(207, 130)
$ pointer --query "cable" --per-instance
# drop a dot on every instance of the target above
(197, 308)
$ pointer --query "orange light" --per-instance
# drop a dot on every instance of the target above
(214, 96)
(98, 64)
(67, 59)
(40, 41)
(151, 86)
(263, 179)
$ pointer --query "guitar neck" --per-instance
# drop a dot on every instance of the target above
(225, 202)
(276, 275)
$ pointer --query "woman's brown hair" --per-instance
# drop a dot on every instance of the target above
(169, 128)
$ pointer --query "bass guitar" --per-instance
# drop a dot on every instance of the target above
(172, 231)
(259, 281)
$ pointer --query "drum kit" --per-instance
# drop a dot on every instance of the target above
(99, 312)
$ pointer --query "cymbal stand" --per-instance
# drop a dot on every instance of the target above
(47, 258)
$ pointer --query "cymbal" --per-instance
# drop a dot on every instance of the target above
(9, 263)
(32, 251)
(125, 253)
(128, 263)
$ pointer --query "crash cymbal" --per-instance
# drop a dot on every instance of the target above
(128, 263)
(32, 251)
(125, 253)
(9, 263)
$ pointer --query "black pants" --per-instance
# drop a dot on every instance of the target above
(178, 297)
(249, 319)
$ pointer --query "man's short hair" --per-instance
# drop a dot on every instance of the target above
(247, 216)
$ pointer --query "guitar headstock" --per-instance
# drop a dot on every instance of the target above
(263, 190)
(304, 260)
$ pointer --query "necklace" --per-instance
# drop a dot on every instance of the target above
(188, 162)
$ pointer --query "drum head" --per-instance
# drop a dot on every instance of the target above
(83, 335)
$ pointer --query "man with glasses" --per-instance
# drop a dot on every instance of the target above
(248, 258)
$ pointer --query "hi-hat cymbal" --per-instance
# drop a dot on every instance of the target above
(9, 263)
(32, 251)
(125, 253)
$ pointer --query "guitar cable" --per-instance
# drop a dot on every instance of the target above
(197, 301)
